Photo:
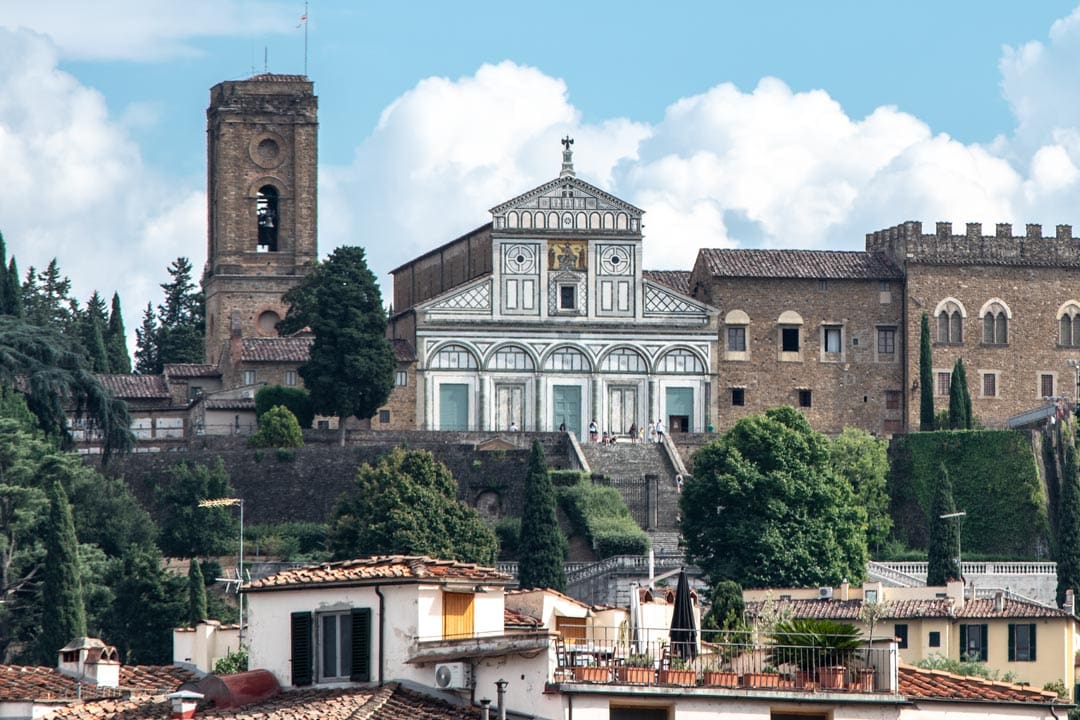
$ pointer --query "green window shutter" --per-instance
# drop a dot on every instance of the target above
(1012, 642)
(361, 645)
(301, 649)
(1031, 639)
(963, 642)
(983, 651)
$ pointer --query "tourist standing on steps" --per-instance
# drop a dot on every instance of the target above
(592, 430)
(659, 430)
(633, 432)
(513, 426)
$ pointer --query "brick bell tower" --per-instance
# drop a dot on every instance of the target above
(262, 159)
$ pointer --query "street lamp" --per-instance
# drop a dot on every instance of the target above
(959, 517)
(1075, 365)
(230, 502)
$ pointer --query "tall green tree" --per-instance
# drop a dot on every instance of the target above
(863, 461)
(46, 297)
(959, 400)
(296, 399)
(92, 328)
(542, 546)
(176, 333)
(943, 546)
(351, 368)
(726, 607)
(407, 503)
(196, 594)
(147, 355)
(926, 377)
(1068, 544)
(63, 611)
(116, 339)
(18, 308)
(188, 530)
(765, 508)
(7, 292)
(149, 603)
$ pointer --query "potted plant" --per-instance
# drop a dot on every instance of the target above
(768, 677)
(592, 673)
(821, 647)
(680, 673)
(638, 668)
(714, 674)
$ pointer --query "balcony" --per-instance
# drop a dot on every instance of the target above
(725, 662)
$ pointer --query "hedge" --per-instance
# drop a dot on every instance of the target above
(600, 514)
(995, 481)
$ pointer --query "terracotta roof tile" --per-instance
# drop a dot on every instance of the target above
(809, 264)
(29, 682)
(519, 620)
(939, 685)
(984, 608)
(273, 77)
(185, 370)
(136, 387)
(378, 568)
(930, 608)
(230, 403)
(280, 349)
(678, 280)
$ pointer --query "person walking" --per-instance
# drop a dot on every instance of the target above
(633, 432)
(659, 430)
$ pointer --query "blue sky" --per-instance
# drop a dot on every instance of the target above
(780, 124)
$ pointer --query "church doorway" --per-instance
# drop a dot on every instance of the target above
(453, 406)
(680, 408)
(622, 408)
(509, 406)
(566, 407)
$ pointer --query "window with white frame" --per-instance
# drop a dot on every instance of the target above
(736, 338)
(789, 334)
(995, 317)
(990, 383)
(1021, 642)
(329, 647)
(832, 342)
(249, 377)
(886, 344)
(1046, 385)
(950, 322)
(290, 378)
(942, 382)
(736, 326)
(568, 297)
(401, 378)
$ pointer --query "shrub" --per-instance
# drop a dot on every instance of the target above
(278, 428)
(234, 662)
(600, 514)
(296, 399)
(289, 540)
(566, 478)
(508, 530)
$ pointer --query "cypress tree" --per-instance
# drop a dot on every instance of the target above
(542, 548)
(926, 377)
(7, 298)
(92, 323)
(196, 594)
(116, 339)
(18, 309)
(965, 396)
(63, 615)
(944, 535)
(1068, 545)
(958, 409)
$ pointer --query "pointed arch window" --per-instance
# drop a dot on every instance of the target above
(266, 211)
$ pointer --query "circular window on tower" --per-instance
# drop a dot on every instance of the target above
(267, 322)
(267, 150)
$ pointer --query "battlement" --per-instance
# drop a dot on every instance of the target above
(906, 243)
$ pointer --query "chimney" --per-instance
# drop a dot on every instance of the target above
(184, 703)
(1070, 602)
(999, 601)
(501, 703)
(485, 708)
(90, 660)
(845, 590)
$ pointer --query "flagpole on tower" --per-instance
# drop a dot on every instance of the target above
(305, 35)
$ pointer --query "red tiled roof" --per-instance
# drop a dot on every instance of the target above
(809, 264)
(30, 682)
(230, 403)
(519, 620)
(930, 608)
(403, 351)
(390, 702)
(185, 370)
(678, 280)
(921, 684)
(131, 387)
(272, 77)
(279, 349)
(378, 568)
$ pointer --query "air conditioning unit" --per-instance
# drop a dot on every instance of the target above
(453, 676)
(824, 593)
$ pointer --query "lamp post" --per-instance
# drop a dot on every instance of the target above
(1075, 365)
(229, 502)
(959, 517)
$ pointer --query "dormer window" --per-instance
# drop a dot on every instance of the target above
(266, 212)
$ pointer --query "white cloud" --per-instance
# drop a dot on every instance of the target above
(76, 188)
(145, 30)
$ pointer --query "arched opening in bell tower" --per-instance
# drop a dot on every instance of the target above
(266, 212)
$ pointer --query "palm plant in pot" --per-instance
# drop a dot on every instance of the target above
(815, 647)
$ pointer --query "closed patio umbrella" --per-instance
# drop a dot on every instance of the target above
(683, 632)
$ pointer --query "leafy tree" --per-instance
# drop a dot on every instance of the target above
(944, 535)
(726, 607)
(1068, 545)
(278, 428)
(862, 460)
(959, 398)
(407, 503)
(116, 339)
(351, 368)
(149, 603)
(63, 612)
(764, 507)
(236, 661)
(296, 399)
(188, 530)
(106, 512)
(542, 546)
(196, 594)
(926, 377)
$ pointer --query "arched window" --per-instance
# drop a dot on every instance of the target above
(681, 361)
(1069, 324)
(950, 321)
(454, 357)
(567, 359)
(266, 212)
(995, 316)
(624, 360)
(511, 357)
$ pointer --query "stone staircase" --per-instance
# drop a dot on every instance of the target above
(628, 468)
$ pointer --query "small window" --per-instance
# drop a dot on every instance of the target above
(934, 639)
(892, 399)
(290, 378)
(323, 425)
(973, 643)
(989, 384)
(1046, 385)
(1021, 642)
(194, 391)
(249, 377)
(384, 417)
(567, 297)
(944, 380)
(804, 398)
(736, 339)
(900, 632)
(738, 396)
(401, 378)
(335, 646)
(789, 339)
(886, 343)
(822, 285)
(832, 339)
(870, 597)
